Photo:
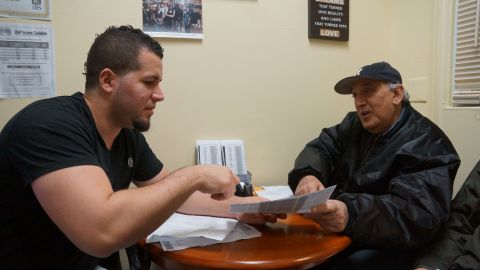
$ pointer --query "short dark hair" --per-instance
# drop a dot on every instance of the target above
(117, 49)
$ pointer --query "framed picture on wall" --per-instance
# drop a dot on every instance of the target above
(173, 18)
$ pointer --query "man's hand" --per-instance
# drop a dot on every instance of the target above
(332, 215)
(308, 184)
(259, 218)
(256, 218)
(219, 181)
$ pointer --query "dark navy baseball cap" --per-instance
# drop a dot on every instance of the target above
(381, 71)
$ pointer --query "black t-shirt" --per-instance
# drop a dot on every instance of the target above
(178, 13)
(46, 136)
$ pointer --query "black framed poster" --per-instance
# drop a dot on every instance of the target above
(328, 19)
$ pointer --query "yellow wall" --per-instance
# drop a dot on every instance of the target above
(256, 76)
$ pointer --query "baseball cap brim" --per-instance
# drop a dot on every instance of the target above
(344, 86)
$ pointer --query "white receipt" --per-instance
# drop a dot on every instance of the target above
(295, 204)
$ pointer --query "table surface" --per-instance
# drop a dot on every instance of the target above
(293, 243)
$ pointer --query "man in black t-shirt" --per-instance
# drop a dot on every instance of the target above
(66, 164)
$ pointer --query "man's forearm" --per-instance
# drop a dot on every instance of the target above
(99, 221)
(129, 215)
(201, 204)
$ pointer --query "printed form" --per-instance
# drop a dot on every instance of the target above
(26, 60)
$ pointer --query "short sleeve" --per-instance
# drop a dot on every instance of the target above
(48, 137)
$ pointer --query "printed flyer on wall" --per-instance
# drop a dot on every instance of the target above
(26, 61)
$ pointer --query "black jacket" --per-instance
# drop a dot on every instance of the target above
(457, 246)
(397, 186)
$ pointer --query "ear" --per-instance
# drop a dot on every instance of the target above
(398, 94)
(107, 80)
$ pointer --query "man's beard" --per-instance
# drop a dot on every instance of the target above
(141, 125)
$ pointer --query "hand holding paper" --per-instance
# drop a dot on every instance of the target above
(295, 204)
(332, 215)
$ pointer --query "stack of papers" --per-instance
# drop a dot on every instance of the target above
(183, 231)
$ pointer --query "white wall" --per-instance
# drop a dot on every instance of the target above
(410, 47)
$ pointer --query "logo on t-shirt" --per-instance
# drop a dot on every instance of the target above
(130, 162)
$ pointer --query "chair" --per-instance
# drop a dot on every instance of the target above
(138, 259)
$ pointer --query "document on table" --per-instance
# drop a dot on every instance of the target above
(183, 231)
(239, 232)
(295, 204)
(274, 192)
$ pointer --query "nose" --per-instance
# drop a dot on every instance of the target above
(358, 101)
(158, 94)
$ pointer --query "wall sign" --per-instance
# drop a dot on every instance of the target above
(29, 9)
(328, 19)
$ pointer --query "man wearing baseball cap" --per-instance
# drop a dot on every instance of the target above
(393, 168)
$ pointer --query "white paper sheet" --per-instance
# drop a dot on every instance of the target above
(181, 226)
(295, 204)
(26, 60)
(275, 192)
(241, 231)
(230, 153)
(235, 156)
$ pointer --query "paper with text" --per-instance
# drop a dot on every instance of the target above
(295, 204)
(209, 152)
(235, 156)
(230, 153)
(26, 60)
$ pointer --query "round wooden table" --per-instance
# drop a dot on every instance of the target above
(293, 243)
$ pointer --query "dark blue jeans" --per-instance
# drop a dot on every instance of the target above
(360, 257)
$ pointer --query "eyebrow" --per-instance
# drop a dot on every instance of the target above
(153, 76)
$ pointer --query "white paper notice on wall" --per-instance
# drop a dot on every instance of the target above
(230, 153)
